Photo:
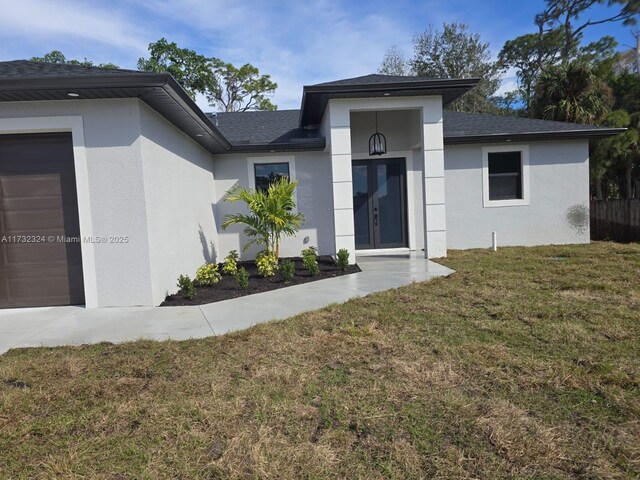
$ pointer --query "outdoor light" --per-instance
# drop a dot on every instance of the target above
(377, 142)
(73, 94)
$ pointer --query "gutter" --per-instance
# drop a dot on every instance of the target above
(318, 145)
(532, 136)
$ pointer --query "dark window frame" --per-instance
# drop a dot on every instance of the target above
(259, 185)
(517, 174)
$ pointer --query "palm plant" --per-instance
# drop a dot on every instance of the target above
(571, 93)
(271, 216)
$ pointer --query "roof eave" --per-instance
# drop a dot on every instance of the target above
(317, 145)
(420, 88)
(79, 81)
(146, 82)
(183, 99)
(533, 136)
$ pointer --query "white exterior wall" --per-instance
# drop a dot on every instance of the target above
(558, 211)
(179, 195)
(313, 198)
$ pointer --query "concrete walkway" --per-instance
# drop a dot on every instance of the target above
(54, 326)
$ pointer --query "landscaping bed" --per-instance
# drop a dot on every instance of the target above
(228, 287)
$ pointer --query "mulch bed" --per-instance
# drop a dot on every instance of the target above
(228, 288)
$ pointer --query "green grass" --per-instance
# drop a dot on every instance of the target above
(523, 364)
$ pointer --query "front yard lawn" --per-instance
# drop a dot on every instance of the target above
(523, 364)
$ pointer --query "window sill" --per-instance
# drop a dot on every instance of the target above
(521, 202)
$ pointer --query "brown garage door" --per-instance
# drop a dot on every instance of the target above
(39, 206)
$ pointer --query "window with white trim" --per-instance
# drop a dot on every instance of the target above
(505, 171)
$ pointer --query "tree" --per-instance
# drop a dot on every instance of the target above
(393, 63)
(56, 56)
(621, 151)
(230, 88)
(525, 54)
(240, 89)
(562, 14)
(571, 93)
(190, 69)
(455, 52)
(272, 217)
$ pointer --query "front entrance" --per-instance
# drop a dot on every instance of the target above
(379, 203)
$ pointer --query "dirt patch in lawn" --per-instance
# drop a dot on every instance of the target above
(228, 288)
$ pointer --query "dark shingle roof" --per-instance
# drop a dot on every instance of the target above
(373, 79)
(280, 125)
(23, 80)
(268, 128)
(29, 69)
(462, 127)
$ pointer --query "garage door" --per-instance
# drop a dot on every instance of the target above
(40, 260)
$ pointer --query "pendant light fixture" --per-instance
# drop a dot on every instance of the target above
(377, 142)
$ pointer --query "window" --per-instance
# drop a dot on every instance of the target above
(505, 171)
(267, 173)
(505, 175)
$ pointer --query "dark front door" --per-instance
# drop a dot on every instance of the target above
(379, 203)
(38, 210)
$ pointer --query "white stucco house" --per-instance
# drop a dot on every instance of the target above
(112, 181)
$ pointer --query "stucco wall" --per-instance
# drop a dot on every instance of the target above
(117, 273)
(400, 127)
(180, 194)
(559, 198)
(313, 172)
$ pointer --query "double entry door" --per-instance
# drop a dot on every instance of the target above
(379, 203)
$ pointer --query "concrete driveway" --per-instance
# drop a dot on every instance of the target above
(55, 326)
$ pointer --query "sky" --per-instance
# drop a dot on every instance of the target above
(297, 42)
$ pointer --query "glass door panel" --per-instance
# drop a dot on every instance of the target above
(379, 203)
(361, 206)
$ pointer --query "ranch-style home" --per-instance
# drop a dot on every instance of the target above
(112, 182)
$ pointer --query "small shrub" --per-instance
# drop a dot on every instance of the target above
(208, 274)
(242, 278)
(267, 263)
(342, 259)
(310, 260)
(230, 265)
(187, 289)
(287, 269)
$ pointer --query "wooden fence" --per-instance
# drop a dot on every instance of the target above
(617, 220)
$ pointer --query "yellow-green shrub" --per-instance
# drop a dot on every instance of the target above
(208, 274)
(267, 263)
(230, 265)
